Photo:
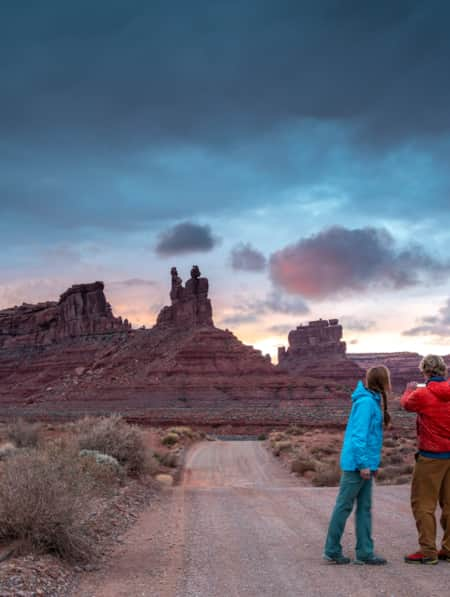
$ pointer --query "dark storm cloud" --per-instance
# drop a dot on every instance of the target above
(339, 260)
(433, 325)
(109, 108)
(245, 257)
(127, 71)
(185, 237)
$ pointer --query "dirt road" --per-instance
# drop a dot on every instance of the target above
(240, 525)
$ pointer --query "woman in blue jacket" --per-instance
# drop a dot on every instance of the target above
(360, 459)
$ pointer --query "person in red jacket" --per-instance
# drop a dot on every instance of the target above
(431, 479)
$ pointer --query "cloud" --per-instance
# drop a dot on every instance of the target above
(62, 253)
(251, 310)
(185, 237)
(133, 282)
(281, 329)
(150, 116)
(433, 325)
(355, 324)
(245, 257)
(325, 62)
(239, 319)
(340, 260)
(275, 302)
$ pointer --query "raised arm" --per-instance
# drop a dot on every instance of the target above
(413, 398)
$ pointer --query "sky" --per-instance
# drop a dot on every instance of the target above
(297, 151)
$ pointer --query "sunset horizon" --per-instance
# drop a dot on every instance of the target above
(298, 154)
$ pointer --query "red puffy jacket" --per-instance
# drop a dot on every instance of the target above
(432, 405)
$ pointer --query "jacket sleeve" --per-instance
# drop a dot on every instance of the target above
(413, 400)
(360, 431)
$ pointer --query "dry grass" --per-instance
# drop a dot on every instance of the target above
(169, 459)
(44, 497)
(6, 450)
(23, 434)
(300, 465)
(318, 451)
(327, 475)
(280, 446)
(103, 470)
(183, 432)
(170, 439)
(115, 437)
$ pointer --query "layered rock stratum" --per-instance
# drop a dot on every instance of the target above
(72, 357)
(316, 349)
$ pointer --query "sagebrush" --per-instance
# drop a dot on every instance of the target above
(23, 434)
(44, 498)
(115, 437)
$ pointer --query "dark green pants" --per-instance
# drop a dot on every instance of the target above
(352, 488)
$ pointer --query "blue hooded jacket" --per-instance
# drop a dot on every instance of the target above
(363, 438)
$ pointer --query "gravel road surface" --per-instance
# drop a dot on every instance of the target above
(240, 525)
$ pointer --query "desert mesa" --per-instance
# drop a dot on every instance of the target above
(66, 358)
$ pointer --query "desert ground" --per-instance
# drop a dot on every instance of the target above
(239, 524)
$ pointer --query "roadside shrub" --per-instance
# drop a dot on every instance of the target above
(323, 450)
(6, 450)
(261, 437)
(394, 458)
(407, 469)
(301, 466)
(294, 430)
(389, 474)
(44, 498)
(101, 459)
(278, 436)
(23, 434)
(170, 439)
(327, 475)
(280, 446)
(115, 437)
(169, 459)
(403, 480)
(103, 470)
(183, 431)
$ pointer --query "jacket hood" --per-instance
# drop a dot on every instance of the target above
(362, 392)
(441, 389)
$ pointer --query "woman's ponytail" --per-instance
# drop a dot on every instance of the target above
(378, 379)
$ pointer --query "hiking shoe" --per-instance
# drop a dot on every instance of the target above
(419, 558)
(443, 556)
(370, 561)
(336, 559)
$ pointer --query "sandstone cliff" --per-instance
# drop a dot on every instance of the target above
(82, 310)
(316, 349)
(72, 357)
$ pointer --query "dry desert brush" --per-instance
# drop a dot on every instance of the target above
(44, 497)
(115, 437)
(23, 434)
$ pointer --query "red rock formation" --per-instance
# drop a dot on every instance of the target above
(317, 350)
(404, 366)
(191, 306)
(82, 310)
(74, 357)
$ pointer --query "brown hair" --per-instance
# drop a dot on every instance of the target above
(378, 379)
(432, 365)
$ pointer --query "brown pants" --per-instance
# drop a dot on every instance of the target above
(430, 484)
